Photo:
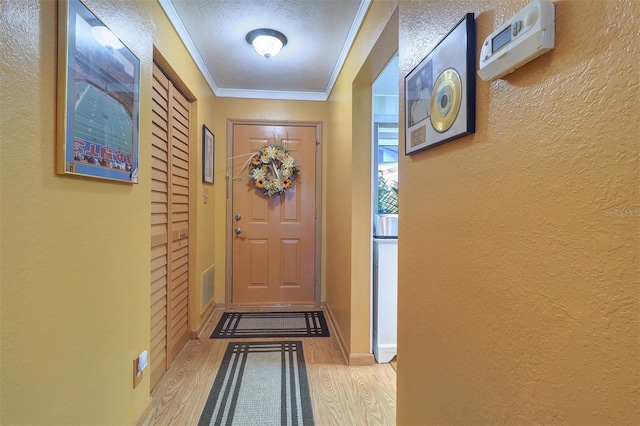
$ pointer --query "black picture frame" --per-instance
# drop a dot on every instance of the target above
(208, 156)
(440, 92)
(98, 98)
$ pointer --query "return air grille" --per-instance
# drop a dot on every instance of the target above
(207, 286)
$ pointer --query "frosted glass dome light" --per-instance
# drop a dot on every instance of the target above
(267, 42)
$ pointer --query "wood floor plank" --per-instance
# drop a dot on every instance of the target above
(340, 394)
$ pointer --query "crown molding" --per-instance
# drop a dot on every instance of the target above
(175, 20)
(272, 94)
(353, 32)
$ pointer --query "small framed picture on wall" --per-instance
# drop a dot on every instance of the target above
(208, 147)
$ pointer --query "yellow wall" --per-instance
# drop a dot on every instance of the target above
(255, 110)
(348, 166)
(75, 251)
(518, 255)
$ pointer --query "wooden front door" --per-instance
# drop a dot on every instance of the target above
(169, 224)
(273, 238)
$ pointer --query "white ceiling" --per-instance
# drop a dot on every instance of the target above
(319, 33)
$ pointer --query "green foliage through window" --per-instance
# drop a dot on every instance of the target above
(387, 196)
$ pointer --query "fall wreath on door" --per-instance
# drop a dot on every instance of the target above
(272, 169)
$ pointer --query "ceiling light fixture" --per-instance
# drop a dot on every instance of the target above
(266, 42)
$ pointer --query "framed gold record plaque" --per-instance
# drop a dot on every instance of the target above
(440, 92)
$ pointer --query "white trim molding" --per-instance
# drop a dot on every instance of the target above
(175, 20)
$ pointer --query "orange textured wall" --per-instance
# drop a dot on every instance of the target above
(518, 255)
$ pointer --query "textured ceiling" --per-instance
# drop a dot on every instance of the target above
(319, 33)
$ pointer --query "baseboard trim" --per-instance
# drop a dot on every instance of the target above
(353, 359)
(358, 359)
(332, 323)
(144, 414)
(383, 352)
(207, 315)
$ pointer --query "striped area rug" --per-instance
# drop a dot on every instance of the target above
(260, 383)
(271, 324)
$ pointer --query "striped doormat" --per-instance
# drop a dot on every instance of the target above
(271, 324)
(260, 383)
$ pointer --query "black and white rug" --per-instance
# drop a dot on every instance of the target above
(271, 324)
(260, 383)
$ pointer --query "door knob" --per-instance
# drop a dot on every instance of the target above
(238, 231)
(238, 217)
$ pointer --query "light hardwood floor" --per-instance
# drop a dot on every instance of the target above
(340, 395)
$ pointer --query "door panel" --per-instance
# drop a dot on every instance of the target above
(274, 255)
(178, 289)
(159, 225)
(169, 224)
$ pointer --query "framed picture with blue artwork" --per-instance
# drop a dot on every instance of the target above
(98, 98)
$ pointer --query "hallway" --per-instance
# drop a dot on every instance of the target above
(341, 395)
(518, 255)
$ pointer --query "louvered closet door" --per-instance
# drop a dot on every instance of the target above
(169, 224)
(178, 295)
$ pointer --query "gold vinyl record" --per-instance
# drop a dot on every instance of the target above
(445, 100)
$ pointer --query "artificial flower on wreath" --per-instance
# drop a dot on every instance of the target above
(272, 169)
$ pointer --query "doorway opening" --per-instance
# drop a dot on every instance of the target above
(384, 179)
